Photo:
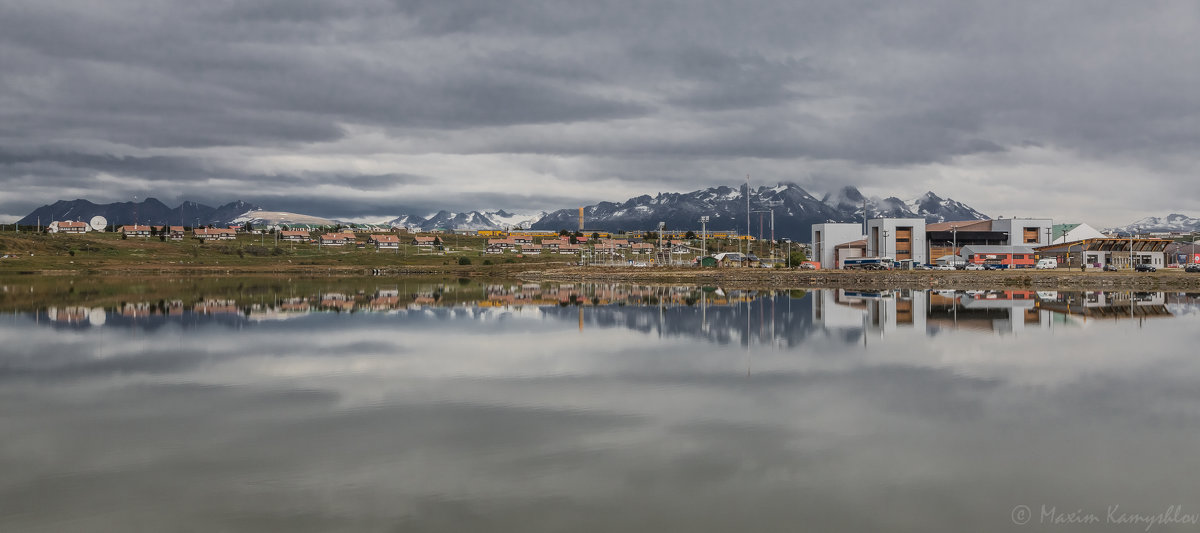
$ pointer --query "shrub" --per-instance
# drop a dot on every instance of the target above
(464, 260)
(487, 261)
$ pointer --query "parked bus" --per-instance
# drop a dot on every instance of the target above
(870, 263)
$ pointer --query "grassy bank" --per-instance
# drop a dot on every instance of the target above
(1165, 279)
(107, 254)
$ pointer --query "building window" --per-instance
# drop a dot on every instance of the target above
(1030, 235)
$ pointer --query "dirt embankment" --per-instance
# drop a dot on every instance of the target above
(923, 279)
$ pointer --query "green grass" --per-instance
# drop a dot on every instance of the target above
(104, 251)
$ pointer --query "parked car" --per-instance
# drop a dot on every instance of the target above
(944, 267)
(995, 267)
(1046, 263)
(974, 266)
(1194, 267)
(1143, 267)
(1111, 268)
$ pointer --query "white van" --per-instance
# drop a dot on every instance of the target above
(1046, 263)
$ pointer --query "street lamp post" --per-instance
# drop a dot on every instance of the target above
(703, 236)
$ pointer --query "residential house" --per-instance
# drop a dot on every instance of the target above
(214, 234)
(175, 233)
(424, 241)
(69, 227)
(338, 239)
(297, 235)
(384, 242)
(531, 249)
(642, 247)
(135, 231)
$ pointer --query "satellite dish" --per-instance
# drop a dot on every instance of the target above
(98, 223)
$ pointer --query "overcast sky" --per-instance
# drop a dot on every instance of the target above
(363, 109)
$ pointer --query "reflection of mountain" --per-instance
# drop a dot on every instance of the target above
(712, 314)
(765, 318)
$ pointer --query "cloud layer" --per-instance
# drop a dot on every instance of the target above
(354, 109)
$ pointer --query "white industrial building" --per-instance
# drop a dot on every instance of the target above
(899, 238)
(826, 237)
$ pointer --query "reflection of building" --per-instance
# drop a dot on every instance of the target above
(876, 311)
(1113, 305)
(995, 311)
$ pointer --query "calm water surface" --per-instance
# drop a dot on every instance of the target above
(459, 406)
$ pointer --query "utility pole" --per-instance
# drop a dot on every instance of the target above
(661, 226)
(954, 246)
(704, 237)
(747, 215)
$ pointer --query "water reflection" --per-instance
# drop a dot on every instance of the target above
(723, 316)
(997, 311)
(505, 407)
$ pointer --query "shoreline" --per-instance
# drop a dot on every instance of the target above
(920, 279)
(1165, 279)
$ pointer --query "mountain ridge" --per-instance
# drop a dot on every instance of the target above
(148, 211)
(794, 210)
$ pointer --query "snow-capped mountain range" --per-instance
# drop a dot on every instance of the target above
(795, 210)
(470, 220)
(1170, 223)
(148, 211)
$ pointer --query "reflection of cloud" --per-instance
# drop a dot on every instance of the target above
(456, 418)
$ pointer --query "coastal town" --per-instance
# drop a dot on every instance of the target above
(875, 244)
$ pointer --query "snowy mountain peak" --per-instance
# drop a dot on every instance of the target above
(1173, 222)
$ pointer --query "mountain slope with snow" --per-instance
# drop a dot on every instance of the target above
(1171, 223)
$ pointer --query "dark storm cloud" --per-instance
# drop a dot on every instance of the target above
(173, 92)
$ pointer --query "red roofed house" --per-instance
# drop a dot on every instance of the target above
(384, 242)
(135, 231)
(214, 234)
(72, 227)
(337, 239)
